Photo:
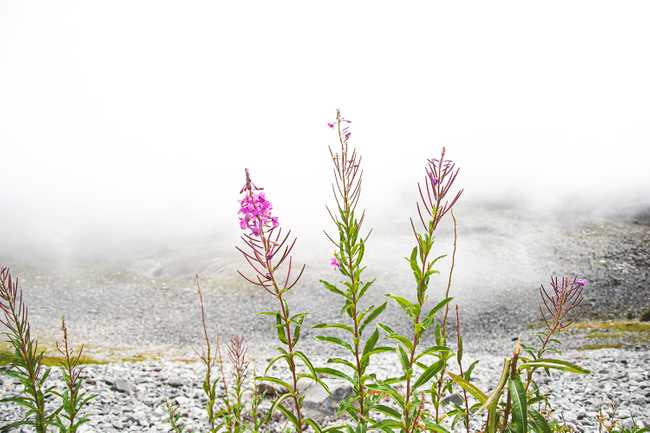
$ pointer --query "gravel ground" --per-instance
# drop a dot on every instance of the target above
(132, 394)
(503, 255)
(147, 308)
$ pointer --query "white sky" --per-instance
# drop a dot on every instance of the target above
(141, 115)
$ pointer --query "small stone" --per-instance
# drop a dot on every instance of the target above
(176, 382)
(268, 390)
(121, 385)
(454, 398)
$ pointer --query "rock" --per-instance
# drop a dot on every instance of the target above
(121, 385)
(175, 382)
(317, 401)
(454, 398)
(268, 391)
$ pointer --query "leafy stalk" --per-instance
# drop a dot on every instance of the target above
(437, 392)
(416, 372)
(555, 306)
(459, 360)
(237, 355)
(209, 357)
(73, 399)
(348, 260)
(174, 418)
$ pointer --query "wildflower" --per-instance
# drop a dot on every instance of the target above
(335, 263)
(435, 201)
(562, 298)
(255, 212)
(582, 282)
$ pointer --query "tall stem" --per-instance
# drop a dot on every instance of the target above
(441, 377)
(460, 366)
(284, 314)
(414, 344)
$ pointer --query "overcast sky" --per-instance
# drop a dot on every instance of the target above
(124, 117)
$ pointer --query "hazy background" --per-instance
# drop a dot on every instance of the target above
(125, 125)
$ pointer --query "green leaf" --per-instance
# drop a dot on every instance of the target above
(519, 405)
(409, 308)
(428, 374)
(387, 426)
(433, 350)
(336, 341)
(468, 373)
(342, 326)
(371, 343)
(389, 391)
(332, 288)
(555, 364)
(334, 372)
(341, 361)
(387, 410)
(274, 380)
(290, 416)
(432, 426)
(372, 315)
(312, 370)
(365, 288)
(280, 328)
(310, 422)
(469, 387)
(538, 422)
(404, 360)
(381, 349)
(397, 337)
(414, 263)
(493, 400)
(431, 315)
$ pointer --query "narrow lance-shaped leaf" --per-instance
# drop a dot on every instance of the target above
(519, 405)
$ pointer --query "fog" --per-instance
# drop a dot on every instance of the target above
(125, 126)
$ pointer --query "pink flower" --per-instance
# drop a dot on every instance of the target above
(255, 212)
(582, 282)
(335, 263)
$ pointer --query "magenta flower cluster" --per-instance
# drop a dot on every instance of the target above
(255, 213)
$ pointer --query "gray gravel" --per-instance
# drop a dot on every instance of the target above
(503, 256)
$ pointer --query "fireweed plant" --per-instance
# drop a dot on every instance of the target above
(268, 251)
(73, 398)
(350, 247)
(420, 365)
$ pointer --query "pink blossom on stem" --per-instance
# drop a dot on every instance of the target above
(255, 212)
(582, 282)
(335, 263)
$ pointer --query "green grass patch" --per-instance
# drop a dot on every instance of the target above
(601, 346)
(621, 326)
(600, 335)
(51, 361)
